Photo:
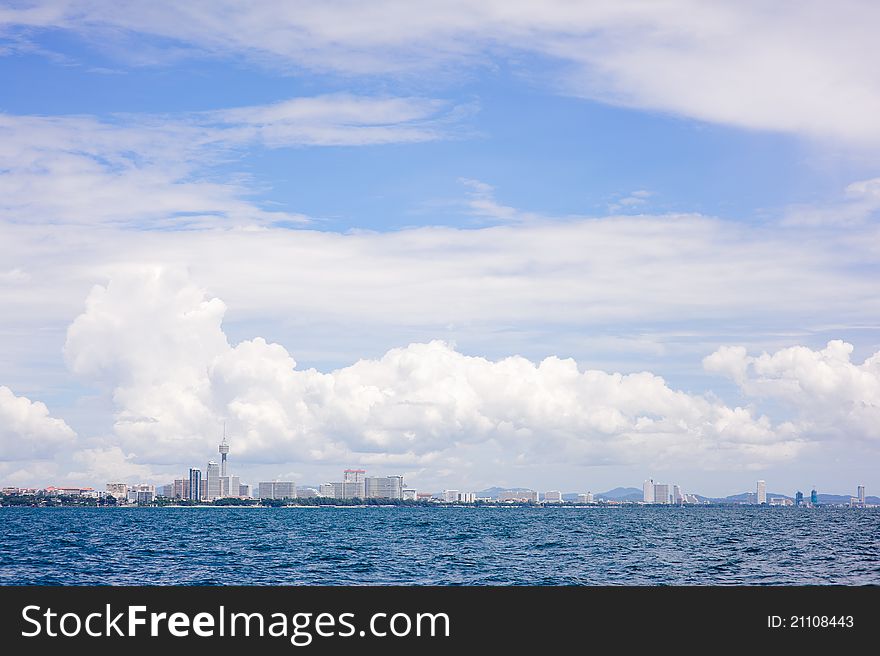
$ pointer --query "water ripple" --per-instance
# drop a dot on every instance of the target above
(437, 546)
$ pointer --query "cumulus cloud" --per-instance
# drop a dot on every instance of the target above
(149, 338)
(155, 171)
(830, 394)
(806, 70)
(27, 430)
(620, 292)
(156, 339)
(110, 464)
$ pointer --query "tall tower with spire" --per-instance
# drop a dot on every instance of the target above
(224, 449)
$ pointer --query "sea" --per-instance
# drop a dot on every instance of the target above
(476, 546)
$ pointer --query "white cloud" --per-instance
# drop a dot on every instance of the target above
(154, 171)
(156, 340)
(334, 120)
(634, 200)
(149, 338)
(807, 69)
(860, 204)
(829, 394)
(110, 464)
(481, 203)
(15, 275)
(27, 431)
(535, 287)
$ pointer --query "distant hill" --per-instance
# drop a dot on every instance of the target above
(843, 498)
(635, 494)
(749, 497)
(493, 492)
(621, 494)
(743, 497)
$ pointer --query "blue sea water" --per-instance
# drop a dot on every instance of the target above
(439, 546)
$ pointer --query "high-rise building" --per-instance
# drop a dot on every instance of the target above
(118, 490)
(195, 484)
(677, 497)
(814, 497)
(661, 493)
(762, 492)
(167, 491)
(244, 491)
(141, 493)
(861, 495)
(383, 487)
(229, 485)
(798, 498)
(467, 497)
(553, 496)
(224, 450)
(212, 483)
(353, 484)
(450, 496)
(409, 494)
(327, 490)
(648, 491)
(521, 496)
(585, 498)
(277, 490)
(181, 488)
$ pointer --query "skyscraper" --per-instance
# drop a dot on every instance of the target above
(814, 497)
(383, 487)
(661, 493)
(224, 449)
(353, 484)
(799, 498)
(677, 496)
(648, 491)
(212, 487)
(762, 492)
(450, 496)
(118, 490)
(861, 495)
(195, 484)
(181, 488)
(277, 490)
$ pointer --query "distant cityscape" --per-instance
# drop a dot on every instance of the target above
(218, 485)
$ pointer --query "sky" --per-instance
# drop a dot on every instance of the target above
(529, 244)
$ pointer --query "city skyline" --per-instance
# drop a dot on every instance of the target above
(220, 484)
(554, 245)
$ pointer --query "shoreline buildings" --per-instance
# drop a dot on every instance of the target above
(277, 490)
(356, 485)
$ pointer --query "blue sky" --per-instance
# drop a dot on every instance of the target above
(549, 153)
(640, 190)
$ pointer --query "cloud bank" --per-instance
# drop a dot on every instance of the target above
(805, 68)
(152, 171)
(155, 339)
(28, 431)
(831, 395)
